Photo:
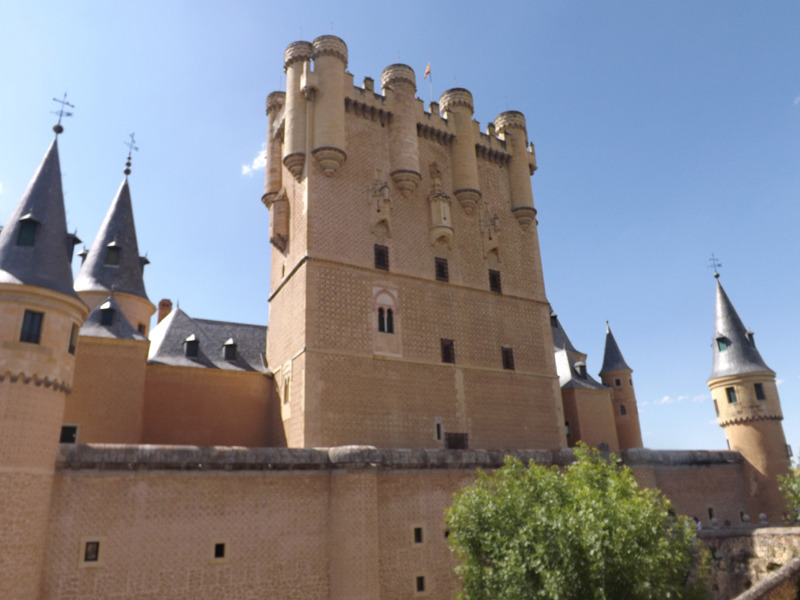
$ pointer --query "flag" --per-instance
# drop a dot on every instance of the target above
(427, 71)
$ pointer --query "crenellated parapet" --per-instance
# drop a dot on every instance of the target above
(511, 127)
(330, 45)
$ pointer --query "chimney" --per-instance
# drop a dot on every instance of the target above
(164, 308)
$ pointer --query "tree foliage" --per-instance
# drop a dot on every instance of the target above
(588, 532)
(790, 488)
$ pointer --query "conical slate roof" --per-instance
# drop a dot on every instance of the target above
(612, 357)
(560, 339)
(734, 347)
(124, 272)
(41, 255)
(118, 328)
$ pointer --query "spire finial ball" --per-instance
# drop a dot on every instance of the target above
(58, 128)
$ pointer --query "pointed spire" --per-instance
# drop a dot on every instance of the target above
(612, 357)
(734, 346)
(35, 248)
(113, 262)
(560, 339)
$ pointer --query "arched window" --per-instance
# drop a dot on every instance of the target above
(389, 320)
(381, 320)
(385, 305)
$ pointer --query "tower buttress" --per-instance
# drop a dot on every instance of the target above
(616, 375)
(748, 407)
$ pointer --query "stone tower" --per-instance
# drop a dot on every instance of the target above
(41, 316)
(407, 304)
(748, 407)
(107, 401)
(617, 375)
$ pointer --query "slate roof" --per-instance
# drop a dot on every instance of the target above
(46, 263)
(168, 338)
(740, 354)
(612, 357)
(120, 328)
(569, 359)
(118, 229)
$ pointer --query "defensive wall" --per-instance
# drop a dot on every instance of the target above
(344, 522)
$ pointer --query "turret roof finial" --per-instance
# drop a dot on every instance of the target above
(715, 264)
(58, 128)
(131, 147)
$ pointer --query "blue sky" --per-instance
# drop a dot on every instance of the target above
(664, 131)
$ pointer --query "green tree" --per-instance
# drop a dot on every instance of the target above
(587, 532)
(790, 488)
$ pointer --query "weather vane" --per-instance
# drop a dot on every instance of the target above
(131, 144)
(61, 112)
(715, 264)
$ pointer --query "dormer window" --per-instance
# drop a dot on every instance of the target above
(580, 367)
(112, 254)
(722, 344)
(26, 236)
(191, 346)
(83, 254)
(229, 349)
(751, 339)
(106, 314)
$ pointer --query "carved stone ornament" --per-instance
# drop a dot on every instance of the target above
(490, 231)
(380, 204)
(441, 231)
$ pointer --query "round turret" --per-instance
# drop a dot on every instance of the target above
(511, 125)
(457, 104)
(330, 61)
(273, 179)
(399, 86)
(297, 54)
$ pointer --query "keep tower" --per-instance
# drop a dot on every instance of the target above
(407, 304)
(41, 317)
(748, 407)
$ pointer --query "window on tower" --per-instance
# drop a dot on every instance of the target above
(622, 410)
(26, 236)
(759, 387)
(442, 270)
(508, 358)
(722, 344)
(730, 393)
(31, 327)
(494, 281)
(448, 350)
(112, 255)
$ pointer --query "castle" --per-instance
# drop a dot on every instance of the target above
(410, 342)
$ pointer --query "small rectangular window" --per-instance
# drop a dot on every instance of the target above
(91, 552)
(508, 358)
(112, 256)
(381, 257)
(448, 351)
(420, 583)
(219, 550)
(731, 395)
(722, 344)
(417, 535)
(73, 339)
(107, 317)
(31, 327)
(710, 512)
(760, 391)
(438, 429)
(229, 351)
(567, 429)
(618, 382)
(142, 328)
(26, 236)
(494, 281)
(622, 410)
(69, 434)
(192, 348)
(442, 270)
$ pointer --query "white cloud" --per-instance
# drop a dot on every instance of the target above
(700, 398)
(777, 381)
(1, 187)
(259, 162)
(797, 101)
(665, 400)
(713, 422)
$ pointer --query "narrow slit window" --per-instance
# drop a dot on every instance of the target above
(622, 410)
(760, 395)
(73, 339)
(442, 270)
(417, 535)
(567, 430)
(494, 281)
(421, 583)
(508, 358)
(382, 320)
(448, 351)
(381, 257)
